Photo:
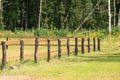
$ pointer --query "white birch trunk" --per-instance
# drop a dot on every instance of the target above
(119, 18)
(109, 14)
(40, 14)
(114, 14)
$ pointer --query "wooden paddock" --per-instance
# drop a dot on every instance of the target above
(78, 44)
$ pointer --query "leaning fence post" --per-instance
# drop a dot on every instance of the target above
(82, 45)
(59, 48)
(88, 45)
(68, 47)
(48, 55)
(98, 44)
(3, 55)
(36, 50)
(76, 46)
(94, 44)
(21, 50)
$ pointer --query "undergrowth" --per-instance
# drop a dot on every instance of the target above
(61, 33)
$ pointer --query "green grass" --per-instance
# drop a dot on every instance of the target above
(103, 65)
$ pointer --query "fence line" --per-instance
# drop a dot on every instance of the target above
(36, 44)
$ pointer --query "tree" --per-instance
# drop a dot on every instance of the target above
(1, 16)
(109, 14)
(119, 16)
(114, 2)
(40, 14)
(56, 14)
(87, 17)
(118, 12)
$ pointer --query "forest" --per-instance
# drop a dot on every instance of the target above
(57, 14)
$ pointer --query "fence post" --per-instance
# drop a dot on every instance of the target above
(94, 44)
(76, 46)
(7, 40)
(68, 47)
(59, 49)
(21, 50)
(36, 50)
(98, 44)
(3, 55)
(82, 46)
(48, 55)
(88, 45)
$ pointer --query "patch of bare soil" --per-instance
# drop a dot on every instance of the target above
(15, 78)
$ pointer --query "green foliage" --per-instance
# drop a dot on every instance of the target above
(2, 26)
(51, 33)
(61, 33)
(9, 33)
(15, 33)
(19, 32)
(62, 14)
(117, 29)
(116, 32)
(91, 33)
(41, 32)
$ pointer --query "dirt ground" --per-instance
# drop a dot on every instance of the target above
(15, 78)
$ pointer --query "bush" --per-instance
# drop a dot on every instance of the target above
(19, 33)
(117, 29)
(62, 33)
(51, 33)
(40, 32)
(116, 33)
(91, 33)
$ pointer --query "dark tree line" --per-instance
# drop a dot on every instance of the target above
(56, 14)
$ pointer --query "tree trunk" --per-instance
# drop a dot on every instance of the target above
(21, 17)
(114, 13)
(119, 18)
(40, 14)
(27, 14)
(86, 17)
(0, 12)
(109, 14)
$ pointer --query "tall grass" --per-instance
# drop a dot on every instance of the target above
(61, 33)
(51, 33)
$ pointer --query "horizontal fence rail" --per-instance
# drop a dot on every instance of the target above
(72, 45)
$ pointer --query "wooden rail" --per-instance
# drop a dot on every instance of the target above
(76, 43)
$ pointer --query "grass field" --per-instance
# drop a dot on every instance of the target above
(103, 65)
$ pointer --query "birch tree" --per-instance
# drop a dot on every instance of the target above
(109, 14)
(119, 18)
(114, 13)
(40, 14)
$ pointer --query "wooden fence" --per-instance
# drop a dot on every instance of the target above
(78, 42)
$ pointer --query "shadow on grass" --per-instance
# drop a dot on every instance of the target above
(28, 61)
(99, 58)
(110, 57)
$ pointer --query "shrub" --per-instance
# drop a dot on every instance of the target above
(40, 32)
(61, 33)
(8, 33)
(51, 33)
(19, 33)
(116, 33)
